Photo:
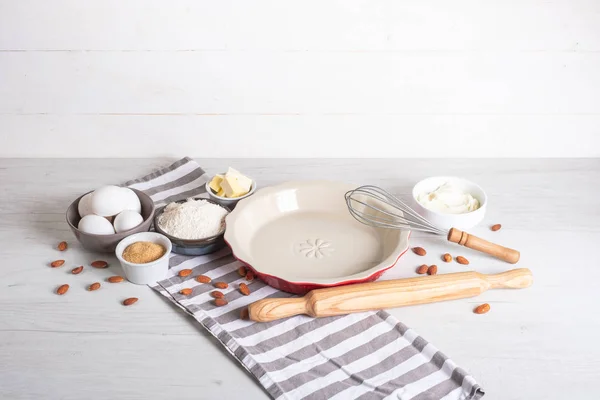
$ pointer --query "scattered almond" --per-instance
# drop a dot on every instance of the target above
(432, 270)
(216, 294)
(62, 289)
(185, 272)
(419, 251)
(482, 309)
(130, 301)
(250, 276)
(77, 270)
(462, 260)
(422, 269)
(186, 291)
(99, 264)
(57, 263)
(94, 286)
(220, 302)
(203, 279)
(242, 271)
(496, 227)
(447, 257)
(244, 289)
(116, 279)
(221, 285)
(244, 314)
(62, 246)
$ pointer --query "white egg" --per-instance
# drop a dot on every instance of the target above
(108, 200)
(96, 225)
(133, 201)
(126, 220)
(85, 205)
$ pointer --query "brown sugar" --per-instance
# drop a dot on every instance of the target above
(143, 252)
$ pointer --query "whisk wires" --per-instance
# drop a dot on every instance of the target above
(374, 206)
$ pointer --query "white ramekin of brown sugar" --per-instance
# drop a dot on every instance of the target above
(144, 257)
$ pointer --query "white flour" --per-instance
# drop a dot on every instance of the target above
(193, 219)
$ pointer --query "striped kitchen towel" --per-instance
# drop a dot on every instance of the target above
(367, 355)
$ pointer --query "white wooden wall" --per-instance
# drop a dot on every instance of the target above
(305, 78)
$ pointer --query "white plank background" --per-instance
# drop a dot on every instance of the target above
(537, 343)
(289, 78)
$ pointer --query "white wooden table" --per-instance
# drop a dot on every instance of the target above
(538, 343)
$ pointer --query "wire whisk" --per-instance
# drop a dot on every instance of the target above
(374, 206)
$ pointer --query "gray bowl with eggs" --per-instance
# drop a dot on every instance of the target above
(108, 243)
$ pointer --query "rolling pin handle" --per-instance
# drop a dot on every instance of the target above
(271, 309)
(519, 278)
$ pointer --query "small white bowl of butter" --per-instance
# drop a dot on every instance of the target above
(230, 187)
(450, 202)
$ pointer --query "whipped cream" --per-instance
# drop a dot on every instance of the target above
(448, 199)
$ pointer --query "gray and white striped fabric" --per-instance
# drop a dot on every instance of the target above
(357, 356)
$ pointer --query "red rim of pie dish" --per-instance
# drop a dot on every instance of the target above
(304, 287)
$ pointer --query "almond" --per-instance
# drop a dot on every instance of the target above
(462, 260)
(447, 257)
(62, 289)
(130, 301)
(419, 251)
(57, 263)
(496, 227)
(482, 309)
(203, 279)
(186, 291)
(116, 279)
(220, 302)
(244, 289)
(432, 270)
(94, 286)
(250, 276)
(242, 271)
(221, 285)
(422, 269)
(244, 314)
(77, 270)
(99, 264)
(62, 246)
(216, 294)
(185, 272)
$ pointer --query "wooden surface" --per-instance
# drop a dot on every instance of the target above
(403, 78)
(391, 293)
(537, 343)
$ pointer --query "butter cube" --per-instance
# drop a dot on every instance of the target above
(221, 193)
(232, 187)
(215, 184)
(244, 182)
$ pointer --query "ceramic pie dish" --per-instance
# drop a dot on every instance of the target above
(300, 236)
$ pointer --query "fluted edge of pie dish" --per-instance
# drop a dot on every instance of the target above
(302, 287)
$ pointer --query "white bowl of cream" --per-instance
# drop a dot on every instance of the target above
(450, 202)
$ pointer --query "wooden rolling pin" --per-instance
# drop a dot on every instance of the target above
(388, 294)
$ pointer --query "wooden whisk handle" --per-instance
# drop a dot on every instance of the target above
(476, 243)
